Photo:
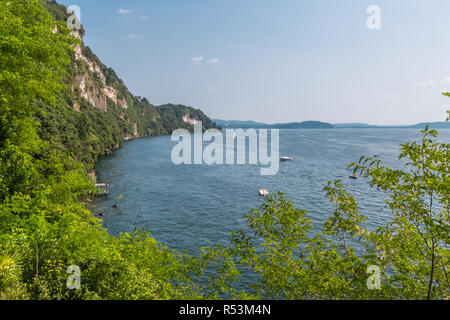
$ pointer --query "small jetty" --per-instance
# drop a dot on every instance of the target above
(286, 158)
(102, 188)
(263, 192)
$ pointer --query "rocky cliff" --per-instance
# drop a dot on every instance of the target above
(97, 112)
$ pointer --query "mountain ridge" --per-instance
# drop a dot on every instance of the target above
(96, 111)
(234, 124)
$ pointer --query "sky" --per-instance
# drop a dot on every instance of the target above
(279, 60)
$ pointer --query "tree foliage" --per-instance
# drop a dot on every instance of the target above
(45, 227)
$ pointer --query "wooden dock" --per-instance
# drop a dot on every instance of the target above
(102, 188)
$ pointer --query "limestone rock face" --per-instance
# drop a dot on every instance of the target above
(96, 112)
(91, 81)
(189, 120)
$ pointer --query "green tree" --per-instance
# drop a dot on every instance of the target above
(292, 261)
(415, 243)
(44, 226)
(32, 61)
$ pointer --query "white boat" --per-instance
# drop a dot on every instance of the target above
(286, 158)
(353, 176)
(263, 192)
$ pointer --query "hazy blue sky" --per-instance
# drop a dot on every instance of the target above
(279, 60)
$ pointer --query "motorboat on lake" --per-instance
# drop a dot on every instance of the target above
(263, 192)
(353, 176)
(286, 158)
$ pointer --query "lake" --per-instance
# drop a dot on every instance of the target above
(193, 206)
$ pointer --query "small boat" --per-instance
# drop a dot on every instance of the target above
(286, 158)
(353, 176)
(377, 156)
(263, 192)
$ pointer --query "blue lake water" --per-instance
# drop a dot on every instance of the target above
(193, 206)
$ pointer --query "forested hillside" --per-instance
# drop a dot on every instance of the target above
(57, 110)
(96, 112)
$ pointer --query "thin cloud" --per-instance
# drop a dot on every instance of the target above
(133, 36)
(425, 84)
(214, 61)
(212, 88)
(388, 96)
(124, 11)
(144, 18)
(197, 59)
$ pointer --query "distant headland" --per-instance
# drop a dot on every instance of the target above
(233, 124)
